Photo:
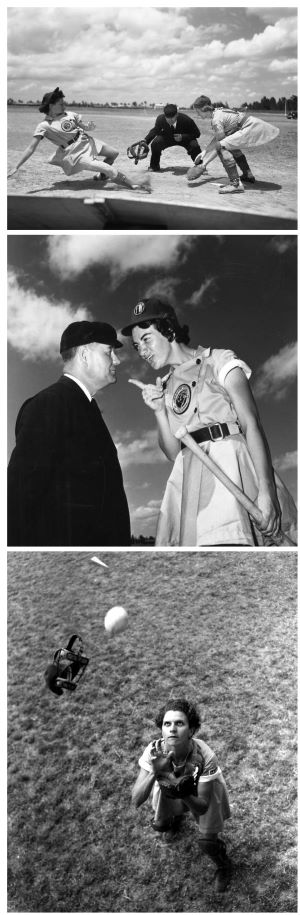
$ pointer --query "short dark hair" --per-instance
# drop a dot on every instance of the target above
(170, 110)
(169, 328)
(183, 705)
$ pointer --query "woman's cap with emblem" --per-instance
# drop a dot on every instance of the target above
(150, 309)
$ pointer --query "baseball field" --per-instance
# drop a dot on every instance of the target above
(218, 628)
(274, 165)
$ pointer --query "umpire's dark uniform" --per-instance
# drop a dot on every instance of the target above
(65, 484)
(162, 136)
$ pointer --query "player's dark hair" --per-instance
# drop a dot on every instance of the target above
(183, 705)
(169, 328)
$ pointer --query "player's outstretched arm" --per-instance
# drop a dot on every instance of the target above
(26, 155)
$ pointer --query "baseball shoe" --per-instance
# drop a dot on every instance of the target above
(232, 188)
(223, 876)
(154, 168)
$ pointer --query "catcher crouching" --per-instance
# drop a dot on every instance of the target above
(181, 773)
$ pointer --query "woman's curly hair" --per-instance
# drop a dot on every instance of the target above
(183, 705)
(169, 328)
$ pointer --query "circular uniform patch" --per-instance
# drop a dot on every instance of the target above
(181, 398)
(67, 124)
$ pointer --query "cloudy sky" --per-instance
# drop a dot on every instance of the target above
(237, 292)
(169, 53)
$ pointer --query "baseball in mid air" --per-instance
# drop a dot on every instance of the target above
(115, 620)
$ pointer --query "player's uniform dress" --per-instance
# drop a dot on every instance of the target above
(235, 129)
(76, 150)
(211, 822)
(197, 510)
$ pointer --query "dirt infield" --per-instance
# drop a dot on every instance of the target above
(273, 195)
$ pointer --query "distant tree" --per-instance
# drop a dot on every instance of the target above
(10, 101)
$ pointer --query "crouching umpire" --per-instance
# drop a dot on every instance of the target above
(172, 129)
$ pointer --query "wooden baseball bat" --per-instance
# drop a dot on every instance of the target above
(251, 508)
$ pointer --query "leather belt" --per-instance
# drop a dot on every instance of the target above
(72, 141)
(213, 433)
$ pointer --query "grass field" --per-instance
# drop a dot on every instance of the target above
(216, 627)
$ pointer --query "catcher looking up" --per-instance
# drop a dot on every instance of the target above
(181, 772)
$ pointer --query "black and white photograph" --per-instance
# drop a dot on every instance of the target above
(150, 548)
(152, 731)
(168, 117)
(187, 345)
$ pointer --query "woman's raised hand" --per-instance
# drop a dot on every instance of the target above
(153, 394)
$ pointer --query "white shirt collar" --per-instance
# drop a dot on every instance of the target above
(80, 385)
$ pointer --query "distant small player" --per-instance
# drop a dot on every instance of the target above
(182, 775)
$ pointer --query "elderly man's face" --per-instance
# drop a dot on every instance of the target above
(176, 731)
(100, 365)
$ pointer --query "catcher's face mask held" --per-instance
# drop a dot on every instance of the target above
(67, 668)
(138, 151)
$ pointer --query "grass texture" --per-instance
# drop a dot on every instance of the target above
(218, 628)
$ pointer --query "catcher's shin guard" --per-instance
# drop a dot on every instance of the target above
(216, 850)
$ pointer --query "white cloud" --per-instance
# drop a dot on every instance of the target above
(287, 461)
(147, 512)
(277, 374)
(71, 255)
(274, 38)
(198, 297)
(123, 53)
(283, 66)
(35, 323)
(144, 450)
(283, 243)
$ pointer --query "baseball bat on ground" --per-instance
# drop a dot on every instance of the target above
(252, 509)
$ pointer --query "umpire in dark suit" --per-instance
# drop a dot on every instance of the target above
(65, 484)
(172, 129)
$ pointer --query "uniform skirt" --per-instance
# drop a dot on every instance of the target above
(254, 132)
(79, 156)
(197, 509)
(212, 821)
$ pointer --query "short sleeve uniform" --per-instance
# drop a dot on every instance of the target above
(76, 150)
(218, 811)
(238, 129)
(197, 510)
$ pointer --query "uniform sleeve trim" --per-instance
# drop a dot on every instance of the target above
(233, 364)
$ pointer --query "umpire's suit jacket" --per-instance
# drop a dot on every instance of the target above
(65, 484)
(184, 125)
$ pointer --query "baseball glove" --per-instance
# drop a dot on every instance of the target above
(138, 151)
(184, 786)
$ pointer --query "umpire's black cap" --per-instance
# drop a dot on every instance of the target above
(81, 332)
(148, 310)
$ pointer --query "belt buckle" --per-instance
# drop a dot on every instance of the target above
(219, 435)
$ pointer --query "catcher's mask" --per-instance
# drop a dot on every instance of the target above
(67, 668)
(138, 151)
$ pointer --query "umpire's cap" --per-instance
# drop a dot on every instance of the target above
(49, 98)
(148, 310)
(81, 332)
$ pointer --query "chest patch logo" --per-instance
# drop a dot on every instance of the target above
(181, 399)
(67, 124)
